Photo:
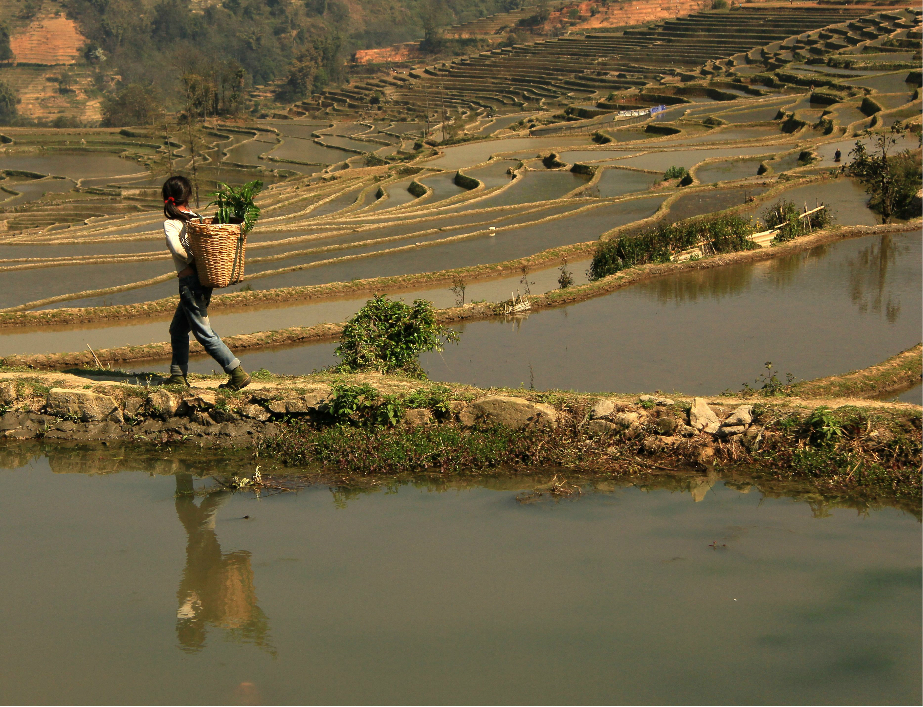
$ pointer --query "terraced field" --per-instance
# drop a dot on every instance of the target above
(365, 198)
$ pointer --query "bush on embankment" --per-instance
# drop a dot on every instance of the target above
(791, 223)
(388, 336)
(713, 235)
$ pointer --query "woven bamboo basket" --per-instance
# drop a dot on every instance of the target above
(218, 249)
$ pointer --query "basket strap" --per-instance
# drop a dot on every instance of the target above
(238, 258)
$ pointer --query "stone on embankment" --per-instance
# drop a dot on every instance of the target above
(602, 408)
(600, 427)
(8, 393)
(702, 417)
(255, 412)
(666, 425)
(626, 420)
(82, 404)
(726, 431)
(419, 417)
(162, 403)
(741, 416)
(200, 400)
(302, 404)
(131, 407)
(656, 400)
(515, 413)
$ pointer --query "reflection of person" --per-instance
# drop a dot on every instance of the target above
(192, 311)
(216, 588)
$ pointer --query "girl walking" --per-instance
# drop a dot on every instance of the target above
(192, 311)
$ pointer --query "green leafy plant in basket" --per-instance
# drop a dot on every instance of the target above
(235, 204)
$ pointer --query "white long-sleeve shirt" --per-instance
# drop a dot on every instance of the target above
(175, 232)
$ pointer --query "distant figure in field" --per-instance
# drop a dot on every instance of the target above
(837, 155)
(192, 311)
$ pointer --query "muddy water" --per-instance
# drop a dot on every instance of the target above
(308, 151)
(493, 174)
(500, 124)
(618, 182)
(827, 151)
(347, 143)
(727, 171)
(249, 152)
(443, 186)
(536, 186)
(73, 165)
(32, 190)
(885, 83)
(444, 592)
(893, 100)
(104, 335)
(728, 135)
(22, 286)
(827, 311)
(705, 202)
(662, 161)
(473, 153)
(505, 245)
(167, 289)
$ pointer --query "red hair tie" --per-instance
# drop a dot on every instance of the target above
(169, 200)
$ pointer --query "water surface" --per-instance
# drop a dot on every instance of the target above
(119, 590)
(829, 310)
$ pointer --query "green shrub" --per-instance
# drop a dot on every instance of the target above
(675, 173)
(364, 405)
(785, 216)
(822, 428)
(715, 234)
(388, 336)
(890, 177)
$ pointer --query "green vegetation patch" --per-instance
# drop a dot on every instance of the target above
(848, 448)
(401, 450)
(713, 235)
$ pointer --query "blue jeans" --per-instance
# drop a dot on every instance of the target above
(192, 315)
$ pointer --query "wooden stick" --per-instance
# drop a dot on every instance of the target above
(98, 364)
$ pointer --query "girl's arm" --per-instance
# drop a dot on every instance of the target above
(173, 230)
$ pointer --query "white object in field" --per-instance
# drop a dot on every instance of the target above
(517, 304)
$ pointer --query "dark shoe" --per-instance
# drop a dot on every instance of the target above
(238, 380)
(175, 380)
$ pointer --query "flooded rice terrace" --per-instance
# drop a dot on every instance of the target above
(826, 311)
(140, 580)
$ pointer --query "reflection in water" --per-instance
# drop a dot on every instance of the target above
(868, 274)
(782, 270)
(216, 588)
(866, 279)
(716, 283)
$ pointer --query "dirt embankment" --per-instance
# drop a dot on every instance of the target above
(373, 424)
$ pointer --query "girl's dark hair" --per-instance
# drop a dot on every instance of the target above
(176, 192)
